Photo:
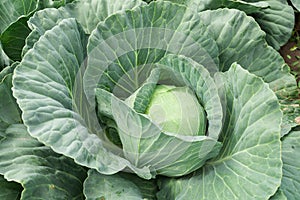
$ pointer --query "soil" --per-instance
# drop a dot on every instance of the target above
(291, 51)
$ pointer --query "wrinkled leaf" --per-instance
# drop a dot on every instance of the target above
(275, 17)
(53, 3)
(88, 13)
(122, 49)
(145, 145)
(277, 21)
(240, 40)
(246, 6)
(43, 173)
(46, 78)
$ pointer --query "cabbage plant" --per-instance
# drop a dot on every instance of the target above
(129, 100)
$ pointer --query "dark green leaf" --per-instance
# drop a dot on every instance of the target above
(117, 187)
(43, 173)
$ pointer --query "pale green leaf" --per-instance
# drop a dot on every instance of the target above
(145, 145)
(13, 25)
(87, 12)
(296, 4)
(277, 21)
(54, 3)
(240, 40)
(90, 12)
(195, 76)
(44, 89)
(167, 153)
(246, 6)
(291, 165)
(249, 165)
(141, 98)
(275, 17)
(148, 188)
(122, 49)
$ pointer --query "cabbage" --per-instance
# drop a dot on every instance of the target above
(129, 100)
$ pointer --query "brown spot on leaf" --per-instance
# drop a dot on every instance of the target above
(297, 120)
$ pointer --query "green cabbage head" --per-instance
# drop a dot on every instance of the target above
(175, 110)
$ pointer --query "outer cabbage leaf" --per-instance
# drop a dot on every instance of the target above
(8, 70)
(9, 190)
(275, 17)
(88, 13)
(277, 21)
(13, 27)
(9, 110)
(13, 24)
(118, 186)
(249, 165)
(279, 195)
(291, 116)
(4, 59)
(296, 4)
(44, 85)
(240, 40)
(43, 173)
(12, 10)
(13, 38)
(246, 6)
(54, 3)
(122, 49)
(290, 183)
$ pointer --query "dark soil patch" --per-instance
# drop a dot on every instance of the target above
(291, 51)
